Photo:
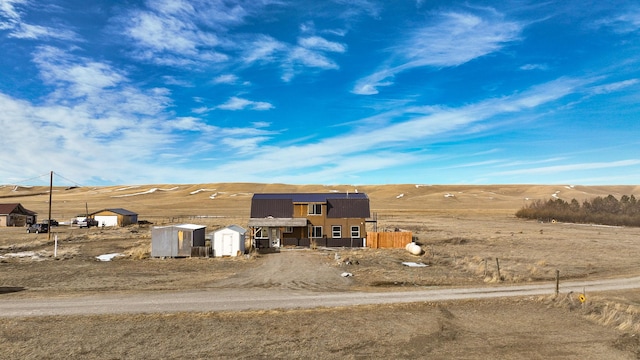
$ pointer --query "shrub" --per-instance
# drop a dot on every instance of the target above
(599, 210)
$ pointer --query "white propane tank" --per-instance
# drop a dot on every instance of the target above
(414, 248)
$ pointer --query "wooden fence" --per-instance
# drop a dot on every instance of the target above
(389, 240)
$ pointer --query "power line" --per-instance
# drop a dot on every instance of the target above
(69, 180)
(31, 179)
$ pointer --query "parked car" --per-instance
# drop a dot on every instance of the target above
(86, 223)
(38, 228)
(51, 222)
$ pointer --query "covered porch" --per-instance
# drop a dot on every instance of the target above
(277, 232)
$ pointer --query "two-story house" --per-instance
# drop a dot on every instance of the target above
(327, 219)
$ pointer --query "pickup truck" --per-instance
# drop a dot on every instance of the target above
(86, 223)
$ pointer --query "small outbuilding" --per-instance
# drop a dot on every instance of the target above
(176, 240)
(16, 215)
(115, 217)
(228, 241)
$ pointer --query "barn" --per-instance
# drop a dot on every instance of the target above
(228, 241)
(176, 240)
(16, 215)
(115, 217)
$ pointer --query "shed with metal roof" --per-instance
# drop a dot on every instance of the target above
(176, 240)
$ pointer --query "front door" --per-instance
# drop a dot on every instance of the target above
(274, 237)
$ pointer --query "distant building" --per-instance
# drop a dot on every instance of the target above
(327, 219)
(114, 217)
(16, 215)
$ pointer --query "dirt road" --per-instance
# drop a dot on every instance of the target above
(289, 280)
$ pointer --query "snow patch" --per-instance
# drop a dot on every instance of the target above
(447, 195)
(150, 191)
(414, 264)
(400, 196)
(108, 257)
(23, 254)
(200, 190)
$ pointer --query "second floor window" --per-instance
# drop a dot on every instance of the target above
(315, 209)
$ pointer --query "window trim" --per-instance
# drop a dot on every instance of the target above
(260, 232)
(356, 233)
(314, 209)
(314, 230)
(336, 234)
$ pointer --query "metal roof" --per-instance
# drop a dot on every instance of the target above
(338, 205)
(236, 228)
(269, 222)
(119, 211)
(309, 197)
(190, 226)
(6, 209)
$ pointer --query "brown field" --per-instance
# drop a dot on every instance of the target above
(463, 230)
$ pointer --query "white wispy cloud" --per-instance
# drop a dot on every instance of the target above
(423, 126)
(94, 121)
(454, 39)
(236, 103)
(612, 87)
(534, 67)
(319, 43)
(225, 79)
(571, 167)
(11, 19)
(624, 23)
(170, 40)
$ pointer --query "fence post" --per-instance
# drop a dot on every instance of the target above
(557, 282)
(498, 265)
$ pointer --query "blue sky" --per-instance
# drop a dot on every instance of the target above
(320, 92)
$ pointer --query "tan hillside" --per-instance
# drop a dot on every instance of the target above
(233, 199)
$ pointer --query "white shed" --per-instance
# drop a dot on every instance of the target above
(228, 241)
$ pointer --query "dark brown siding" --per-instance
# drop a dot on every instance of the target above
(278, 208)
(348, 208)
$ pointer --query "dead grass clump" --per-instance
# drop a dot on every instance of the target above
(621, 316)
(140, 251)
(253, 254)
(456, 241)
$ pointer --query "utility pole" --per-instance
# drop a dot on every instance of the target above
(50, 196)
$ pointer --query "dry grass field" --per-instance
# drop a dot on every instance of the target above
(463, 230)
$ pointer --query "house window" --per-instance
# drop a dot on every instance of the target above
(315, 209)
(355, 232)
(288, 229)
(336, 231)
(261, 233)
(316, 231)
